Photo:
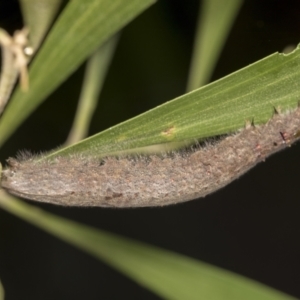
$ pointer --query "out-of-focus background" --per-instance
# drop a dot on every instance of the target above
(250, 227)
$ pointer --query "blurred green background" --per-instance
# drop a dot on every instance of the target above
(250, 227)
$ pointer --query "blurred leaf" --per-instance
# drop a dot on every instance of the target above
(80, 29)
(214, 23)
(250, 94)
(2, 293)
(169, 275)
(38, 16)
(95, 74)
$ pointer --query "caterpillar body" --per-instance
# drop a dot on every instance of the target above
(152, 180)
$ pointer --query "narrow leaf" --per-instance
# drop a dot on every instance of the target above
(38, 16)
(250, 94)
(81, 28)
(215, 20)
(169, 275)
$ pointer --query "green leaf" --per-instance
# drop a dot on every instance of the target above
(96, 69)
(169, 275)
(38, 16)
(221, 107)
(2, 293)
(250, 94)
(81, 28)
(215, 20)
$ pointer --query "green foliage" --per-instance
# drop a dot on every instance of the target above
(221, 107)
(91, 21)
(169, 275)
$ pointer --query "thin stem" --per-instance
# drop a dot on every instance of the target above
(14, 63)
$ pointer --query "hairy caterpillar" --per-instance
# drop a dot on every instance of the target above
(152, 180)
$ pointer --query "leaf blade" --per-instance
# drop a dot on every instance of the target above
(91, 21)
(166, 273)
(250, 94)
(215, 20)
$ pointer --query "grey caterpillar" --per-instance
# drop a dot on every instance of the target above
(153, 180)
